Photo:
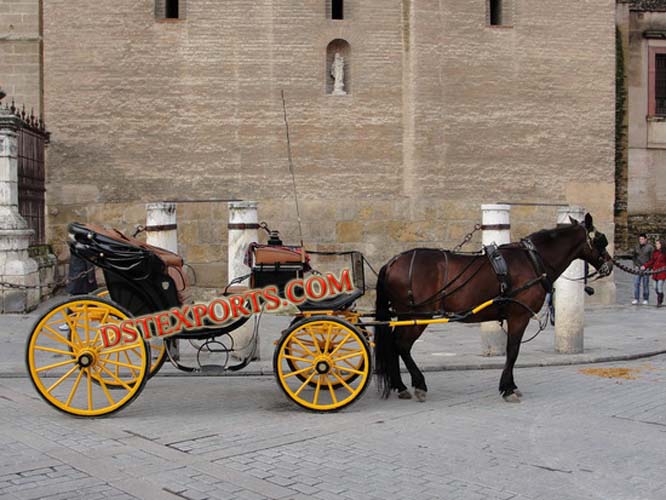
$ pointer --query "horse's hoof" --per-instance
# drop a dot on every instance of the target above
(518, 393)
(511, 398)
(420, 395)
(405, 394)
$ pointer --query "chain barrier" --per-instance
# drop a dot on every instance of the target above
(57, 284)
(467, 238)
(635, 270)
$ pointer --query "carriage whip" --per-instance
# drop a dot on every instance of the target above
(293, 177)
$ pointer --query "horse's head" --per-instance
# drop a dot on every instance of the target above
(594, 251)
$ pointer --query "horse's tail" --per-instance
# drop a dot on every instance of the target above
(385, 351)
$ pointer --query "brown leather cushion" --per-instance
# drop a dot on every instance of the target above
(276, 255)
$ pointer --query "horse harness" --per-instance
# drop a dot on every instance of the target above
(500, 268)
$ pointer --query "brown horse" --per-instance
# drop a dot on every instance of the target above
(422, 283)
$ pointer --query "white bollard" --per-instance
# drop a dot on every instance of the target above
(161, 226)
(496, 227)
(570, 296)
(162, 231)
(243, 230)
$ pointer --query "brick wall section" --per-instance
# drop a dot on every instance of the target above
(445, 114)
(19, 52)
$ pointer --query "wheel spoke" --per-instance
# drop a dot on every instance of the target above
(348, 356)
(120, 382)
(331, 390)
(308, 351)
(74, 388)
(106, 390)
(296, 358)
(130, 365)
(53, 335)
(351, 370)
(307, 381)
(341, 343)
(328, 337)
(86, 324)
(60, 380)
(101, 322)
(342, 381)
(120, 363)
(57, 351)
(90, 388)
(315, 340)
(298, 372)
(132, 347)
(55, 365)
(317, 389)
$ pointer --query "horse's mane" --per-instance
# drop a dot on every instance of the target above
(543, 235)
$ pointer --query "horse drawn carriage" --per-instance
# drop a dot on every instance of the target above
(322, 361)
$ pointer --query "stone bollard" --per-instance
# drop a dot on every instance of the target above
(570, 297)
(243, 230)
(496, 227)
(161, 226)
(16, 266)
(162, 231)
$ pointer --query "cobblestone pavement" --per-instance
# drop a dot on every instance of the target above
(574, 436)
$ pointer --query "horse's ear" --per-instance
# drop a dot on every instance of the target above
(573, 221)
(588, 222)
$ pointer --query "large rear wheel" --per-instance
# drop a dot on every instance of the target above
(71, 368)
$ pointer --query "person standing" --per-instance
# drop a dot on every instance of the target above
(641, 255)
(657, 262)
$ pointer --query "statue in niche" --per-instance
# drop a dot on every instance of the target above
(338, 74)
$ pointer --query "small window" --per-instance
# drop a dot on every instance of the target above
(170, 9)
(657, 81)
(337, 9)
(499, 13)
(495, 12)
(660, 85)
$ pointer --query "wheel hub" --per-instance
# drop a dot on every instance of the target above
(86, 358)
(322, 366)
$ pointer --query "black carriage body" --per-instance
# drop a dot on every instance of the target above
(136, 277)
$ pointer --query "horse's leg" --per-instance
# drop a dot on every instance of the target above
(394, 366)
(516, 328)
(404, 346)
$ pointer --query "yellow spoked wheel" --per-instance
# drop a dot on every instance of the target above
(158, 353)
(70, 367)
(322, 363)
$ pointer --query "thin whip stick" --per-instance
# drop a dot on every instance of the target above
(293, 177)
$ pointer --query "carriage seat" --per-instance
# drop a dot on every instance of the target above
(173, 262)
(337, 303)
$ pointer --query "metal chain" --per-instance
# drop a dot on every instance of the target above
(636, 271)
(467, 238)
(55, 285)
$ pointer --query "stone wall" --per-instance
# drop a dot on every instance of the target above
(445, 113)
(20, 49)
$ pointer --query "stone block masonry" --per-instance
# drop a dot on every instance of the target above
(444, 113)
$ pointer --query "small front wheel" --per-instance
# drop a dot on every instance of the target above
(71, 368)
(322, 363)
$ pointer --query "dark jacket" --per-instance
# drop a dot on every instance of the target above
(642, 254)
(81, 277)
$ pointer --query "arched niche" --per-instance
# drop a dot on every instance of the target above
(341, 47)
